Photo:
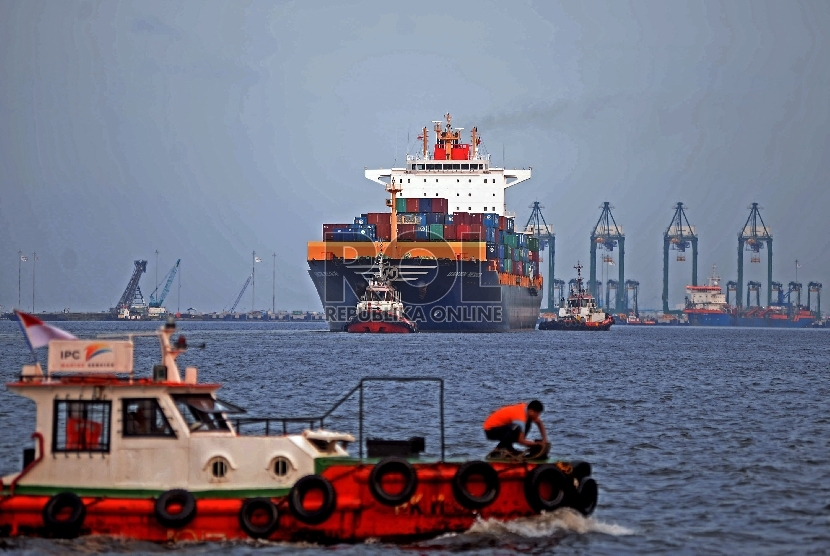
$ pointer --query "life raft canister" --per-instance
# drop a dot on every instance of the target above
(461, 490)
(301, 488)
(547, 488)
(177, 498)
(393, 466)
(258, 517)
(56, 520)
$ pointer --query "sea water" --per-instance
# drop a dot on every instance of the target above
(702, 440)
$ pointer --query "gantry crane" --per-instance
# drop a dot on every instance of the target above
(753, 286)
(795, 287)
(777, 287)
(611, 284)
(157, 301)
(731, 286)
(132, 295)
(632, 286)
(559, 286)
(814, 287)
(609, 235)
(680, 235)
(752, 238)
(538, 228)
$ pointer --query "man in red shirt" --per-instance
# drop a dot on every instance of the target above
(503, 425)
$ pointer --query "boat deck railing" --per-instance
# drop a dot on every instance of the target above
(279, 425)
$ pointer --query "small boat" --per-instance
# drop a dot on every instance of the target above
(163, 459)
(380, 309)
(581, 312)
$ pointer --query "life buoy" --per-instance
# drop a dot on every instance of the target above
(55, 517)
(258, 517)
(587, 494)
(179, 498)
(393, 465)
(547, 488)
(298, 493)
(460, 486)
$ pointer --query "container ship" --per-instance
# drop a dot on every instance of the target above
(707, 306)
(448, 245)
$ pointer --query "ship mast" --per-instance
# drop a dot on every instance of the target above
(393, 188)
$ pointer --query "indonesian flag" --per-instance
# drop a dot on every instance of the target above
(38, 332)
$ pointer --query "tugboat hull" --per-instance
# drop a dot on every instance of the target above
(380, 324)
(345, 502)
(568, 324)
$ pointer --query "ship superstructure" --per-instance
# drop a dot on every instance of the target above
(453, 252)
(452, 170)
(706, 305)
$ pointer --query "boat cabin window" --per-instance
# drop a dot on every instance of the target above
(201, 412)
(81, 426)
(144, 417)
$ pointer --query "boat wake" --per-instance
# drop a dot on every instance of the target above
(547, 529)
(564, 520)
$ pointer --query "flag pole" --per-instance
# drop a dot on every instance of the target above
(28, 342)
(253, 280)
(34, 266)
(19, 265)
(274, 285)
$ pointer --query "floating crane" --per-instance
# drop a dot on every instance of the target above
(157, 302)
(538, 228)
(680, 235)
(814, 287)
(241, 292)
(632, 286)
(753, 286)
(132, 298)
(608, 235)
(752, 238)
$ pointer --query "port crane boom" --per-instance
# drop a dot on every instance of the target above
(157, 302)
(132, 295)
(241, 293)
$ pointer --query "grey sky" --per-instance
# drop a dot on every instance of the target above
(207, 130)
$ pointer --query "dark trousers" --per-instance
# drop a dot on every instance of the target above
(506, 434)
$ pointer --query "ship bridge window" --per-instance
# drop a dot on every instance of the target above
(420, 166)
(432, 166)
(81, 426)
(144, 417)
(465, 166)
(203, 412)
(456, 166)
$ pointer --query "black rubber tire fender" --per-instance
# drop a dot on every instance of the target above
(587, 494)
(561, 488)
(393, 465)
(581, 469)
(70, 526)
(302, 487)
(180, 497)
(246, 513)
(491, 481)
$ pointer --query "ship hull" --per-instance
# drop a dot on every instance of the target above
(766, 322)
(438, 295)
(714, 318)
(568, 324)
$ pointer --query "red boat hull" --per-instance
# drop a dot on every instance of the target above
(576, 325)
(433, 508)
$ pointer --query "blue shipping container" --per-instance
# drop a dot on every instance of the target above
(424, 205)
(492, 252)
(435, 218)
(491, 235)
(360, 221)
(490, 220)
(449, 219)
(501, 251)
(510, 225)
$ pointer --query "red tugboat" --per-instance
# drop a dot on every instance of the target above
(380, 309)
(581, 313)
(163, 459)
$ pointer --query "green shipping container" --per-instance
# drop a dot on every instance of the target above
(533, 244)
(400, 204)
(436, 231)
